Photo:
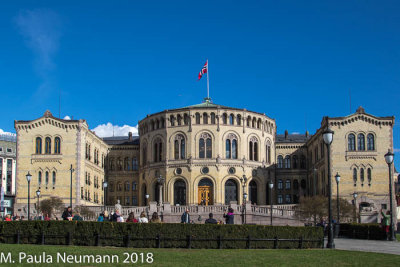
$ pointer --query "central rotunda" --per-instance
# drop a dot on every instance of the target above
(206, 154)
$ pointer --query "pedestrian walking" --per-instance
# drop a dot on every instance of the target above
(185, 218)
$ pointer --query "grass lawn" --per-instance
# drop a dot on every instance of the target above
(184, 257)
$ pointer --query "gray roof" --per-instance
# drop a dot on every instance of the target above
(292, 138)
(121, 140)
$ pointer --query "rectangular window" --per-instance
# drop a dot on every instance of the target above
(9, 150)
(134, 186)
(288, 199)
(280, 199)
(127, 201)
(134, 201)
(9, 175)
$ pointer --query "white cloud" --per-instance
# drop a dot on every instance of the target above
(107, 130)
(68, 118)
(6, 133)
(396, 150)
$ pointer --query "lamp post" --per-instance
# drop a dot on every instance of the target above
(105, 185)
(389, 160)
(328, 138)
(271, 185)
(243, 181)
(160, 181)
(355, 205)
(38, 196)
(147, 205)
(337, 177)
(28, 178)
(337, 227)
(70, 192)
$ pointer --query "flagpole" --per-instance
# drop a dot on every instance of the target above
(208, 84)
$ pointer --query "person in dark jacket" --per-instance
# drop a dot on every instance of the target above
(115, 216)
(67, 214)
(185, 218)
(210, 219)
(229, 218)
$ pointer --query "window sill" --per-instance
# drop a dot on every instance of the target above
(361, 155)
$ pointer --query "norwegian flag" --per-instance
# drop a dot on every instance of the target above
(203, 70)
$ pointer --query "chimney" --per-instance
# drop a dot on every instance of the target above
(130, 136)
(286, 134)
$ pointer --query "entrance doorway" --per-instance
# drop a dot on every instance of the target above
(205, 192)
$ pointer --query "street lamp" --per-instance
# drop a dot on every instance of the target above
(355, 205)
(38, 195)
(70, 192)
(337, 177)
(28, 178)
(243, 181)
(161, 181)
(337, 227)
(328, 138)
(271, 185)
(389, 160)
(105, 184)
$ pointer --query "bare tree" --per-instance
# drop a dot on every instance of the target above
(51, 205)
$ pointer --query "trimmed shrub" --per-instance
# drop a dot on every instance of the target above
(171, 235)
(362, 231)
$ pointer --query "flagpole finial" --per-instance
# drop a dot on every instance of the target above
(207, 100)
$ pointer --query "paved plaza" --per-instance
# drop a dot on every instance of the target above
(391, 247)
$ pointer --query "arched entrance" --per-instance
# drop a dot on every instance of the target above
(205, 192)
(231, 192)
(180, 192)
(253, 192)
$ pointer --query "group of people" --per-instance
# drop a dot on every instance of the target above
(68, 216)
(117, 217)
(9, 218)
(229, 218)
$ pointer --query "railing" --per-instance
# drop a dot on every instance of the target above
(125, 241)
(199, 209)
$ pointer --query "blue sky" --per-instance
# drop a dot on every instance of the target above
(117, 61)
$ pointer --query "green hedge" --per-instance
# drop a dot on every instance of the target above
(116, 234)
(362, 231)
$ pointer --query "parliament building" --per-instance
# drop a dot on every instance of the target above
(205, 154)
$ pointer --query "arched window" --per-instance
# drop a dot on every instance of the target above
(253, 192)
(361, 142)
(179, 119)
(54, 178)
(47, 149)
(253, 123)
(351, 141)
(259, 124)
(40, 178)
(253, 149)
(172, 120)
(280, 162)
(362, 176)
(231, 119)
(127, 186)
(248, 121)
(355, 176)
(288, 184)
(370, 142)
(180, 192)
(369, 174)
(112, 167)
(179, 147)
(162, 123)
(280, 184)
(295, 162)
(268, 152)
(212, 118)
(287, 162)
(57, 145)
(302, 162)
(158, 124)
(47, 178)
(197, 118)
(205, 118)
(205, 146)
(231, 191)
(225, 118)
(157, 152)
(126, 164)
(186, 119)
(231, 147)
(38, 145)
(239, 120)
(144, 153)
(119, 187)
